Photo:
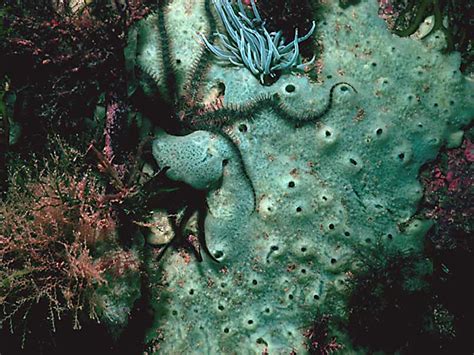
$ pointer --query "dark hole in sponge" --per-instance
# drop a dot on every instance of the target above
(225, 162)
(221, 87)
(291, 184)
(218, 254)
(379, 131)
(353, 162)
(290, 88)
(243, 128)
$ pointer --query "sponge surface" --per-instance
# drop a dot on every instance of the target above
(324, 190)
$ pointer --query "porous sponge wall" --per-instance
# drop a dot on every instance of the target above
(196, 159)
(184, 20)
(324, 190)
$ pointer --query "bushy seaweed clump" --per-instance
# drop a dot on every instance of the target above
(396, 304)
(59, 57)
(58, 248)
(388, 300)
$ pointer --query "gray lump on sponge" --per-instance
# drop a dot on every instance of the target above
(196, 159)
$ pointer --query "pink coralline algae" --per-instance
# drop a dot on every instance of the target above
(388, 12)
(452, 172)
(386, 7)
(469, 151)
(448, 184)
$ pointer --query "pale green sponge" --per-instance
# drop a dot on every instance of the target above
(324, 190)
(195, 159)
